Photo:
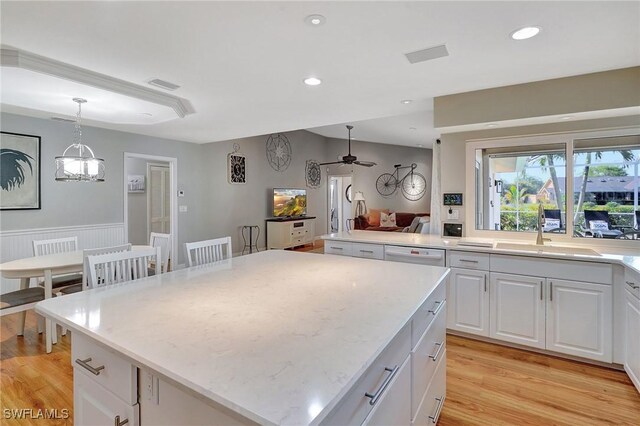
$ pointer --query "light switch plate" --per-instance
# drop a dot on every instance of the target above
(454, 214)
(182, 209)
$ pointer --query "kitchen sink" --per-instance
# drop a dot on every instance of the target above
(547, 249)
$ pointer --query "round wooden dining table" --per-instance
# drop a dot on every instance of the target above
(46, 266)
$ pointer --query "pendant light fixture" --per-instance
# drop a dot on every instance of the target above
(84, 167)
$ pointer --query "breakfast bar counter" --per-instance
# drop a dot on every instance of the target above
(274, 337)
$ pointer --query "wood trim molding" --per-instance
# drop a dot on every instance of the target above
(9, 233)
(12, 57)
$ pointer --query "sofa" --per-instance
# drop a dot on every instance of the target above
(371, 221)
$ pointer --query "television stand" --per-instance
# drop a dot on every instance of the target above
(289, 232)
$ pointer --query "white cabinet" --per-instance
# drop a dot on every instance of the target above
(579, 319)
(394, 406)
(94, 405)
(468, 297)
(632, 338)
(289, 233)
(517, 309)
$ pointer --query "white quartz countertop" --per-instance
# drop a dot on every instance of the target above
(276, 336)
(629, 257)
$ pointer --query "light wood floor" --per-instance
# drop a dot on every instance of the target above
(486, 384)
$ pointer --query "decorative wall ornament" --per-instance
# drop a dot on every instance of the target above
(278, 152)
(236, 166)
(313, 174)
(135, 183)
(20, 177)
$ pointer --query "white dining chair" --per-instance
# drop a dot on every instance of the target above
(164, 242)
(55, 246)
(20, 301)
(208, 251)
(114, 268)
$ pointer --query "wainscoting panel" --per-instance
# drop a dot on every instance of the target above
(19, 244)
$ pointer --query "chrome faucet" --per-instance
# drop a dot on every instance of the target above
(539, 240)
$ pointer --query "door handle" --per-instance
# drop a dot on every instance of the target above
(550, 291)
(85, 364)
(435, 356)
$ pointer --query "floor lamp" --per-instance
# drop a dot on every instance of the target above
(361, 206)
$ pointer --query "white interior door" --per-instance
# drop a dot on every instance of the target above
(159, 206)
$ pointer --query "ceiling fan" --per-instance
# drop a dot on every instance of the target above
(351, 159)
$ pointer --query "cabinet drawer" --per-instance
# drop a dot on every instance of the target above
(469, 260)
(393, 407)
(591, 272)
(338, 247)
(431, 405)
(425, 357)
(117, 375)
(427, 312)
(370, 251)
(632, 282)
(94, 405)
(355, 405)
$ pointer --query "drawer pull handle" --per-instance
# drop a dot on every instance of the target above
(469, 261)
(366, 251)
(337, 248)
(416, 252)
(436, 308)
(632, 285)
(85, 364)
(435, 356)
(375, 396)
(117, 421)
(434, 418)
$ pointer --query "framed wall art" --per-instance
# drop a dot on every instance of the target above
(135, 183)
(237, 167)
(19, 171)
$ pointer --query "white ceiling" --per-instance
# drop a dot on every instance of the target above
(241, 64)
(414, 129)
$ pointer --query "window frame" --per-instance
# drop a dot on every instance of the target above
(567, 139)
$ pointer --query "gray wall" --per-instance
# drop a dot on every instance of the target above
(232, 206)
(364, 178)
(215, 208)
(74, 203)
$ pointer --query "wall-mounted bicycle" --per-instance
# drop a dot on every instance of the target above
(413, 184)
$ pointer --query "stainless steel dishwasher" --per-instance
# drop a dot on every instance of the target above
(422, 256)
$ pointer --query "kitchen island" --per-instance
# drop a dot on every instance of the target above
(271, 338)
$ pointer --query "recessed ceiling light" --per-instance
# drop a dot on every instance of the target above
(492, 125)
(148, 114)
(420, 145)
(315, 20)
(567, 117)
(412, 128)
(312, 81)
(525, 33)
(406, 101)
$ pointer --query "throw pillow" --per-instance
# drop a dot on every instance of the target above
(598, 225)
(374, 216)
(387, 220)
(551, 224)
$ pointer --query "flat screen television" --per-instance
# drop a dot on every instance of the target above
(289, 202)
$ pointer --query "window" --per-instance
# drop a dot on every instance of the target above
(516, 180)
(593, 193)
(605, 186)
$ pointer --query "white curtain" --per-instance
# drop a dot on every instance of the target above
(436, 191)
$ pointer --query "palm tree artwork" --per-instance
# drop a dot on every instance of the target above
(13, 168)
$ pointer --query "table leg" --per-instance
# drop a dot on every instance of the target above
(24, 283)
(48, 329)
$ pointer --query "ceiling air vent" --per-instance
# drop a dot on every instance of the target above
(427, 54)
(163, 84)
(64, 120)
